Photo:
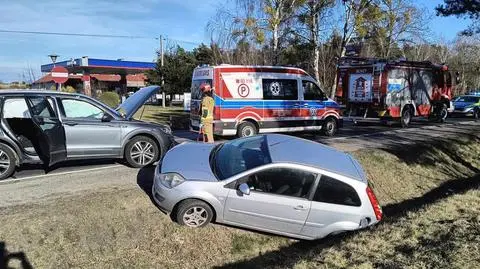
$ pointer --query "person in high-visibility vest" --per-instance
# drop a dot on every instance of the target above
(206, 117)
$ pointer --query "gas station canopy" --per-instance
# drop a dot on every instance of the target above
(101, 66)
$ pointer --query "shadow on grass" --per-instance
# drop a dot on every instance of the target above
(7, 258)
(145, 180)
(288, 256)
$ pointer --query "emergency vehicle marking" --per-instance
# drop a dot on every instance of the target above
(243, 90)
(275, 88)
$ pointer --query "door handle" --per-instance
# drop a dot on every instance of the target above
(71, 123)
(300, 208)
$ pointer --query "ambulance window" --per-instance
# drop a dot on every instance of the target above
(311, 91)
(280, 89)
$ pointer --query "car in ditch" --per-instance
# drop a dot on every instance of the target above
(272, 183)
(49, 127)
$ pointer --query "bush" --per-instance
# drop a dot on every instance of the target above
(111, 99)
(69, 89)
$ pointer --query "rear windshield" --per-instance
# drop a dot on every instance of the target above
(196, 92)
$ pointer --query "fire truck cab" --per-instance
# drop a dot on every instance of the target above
(378, 89)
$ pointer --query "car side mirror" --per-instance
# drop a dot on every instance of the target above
(106, 117)
(244, 188)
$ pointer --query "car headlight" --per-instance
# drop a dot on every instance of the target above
(171, 180)
(166, 129)
(468, 109)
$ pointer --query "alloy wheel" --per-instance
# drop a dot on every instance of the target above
(4, 162)
(247, 131)
(195, 216)
(142, 152)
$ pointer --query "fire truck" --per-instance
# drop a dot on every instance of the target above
(380, 89)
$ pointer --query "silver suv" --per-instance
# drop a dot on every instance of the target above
(49, 127)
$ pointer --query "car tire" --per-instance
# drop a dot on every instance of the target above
(442, 113)
(330, 126)
(476, 113)
(7, 161)
(141, 151)
(194, 213)
(246, 129)
(406, 117)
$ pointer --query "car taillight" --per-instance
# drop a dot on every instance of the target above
(376, 206)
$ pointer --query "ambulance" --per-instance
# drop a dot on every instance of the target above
(263, 99)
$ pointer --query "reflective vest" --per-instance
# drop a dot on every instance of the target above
(207, 109)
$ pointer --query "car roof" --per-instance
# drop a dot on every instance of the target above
(20, 92)
(289, 149)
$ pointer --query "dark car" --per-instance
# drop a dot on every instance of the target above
(49, 127)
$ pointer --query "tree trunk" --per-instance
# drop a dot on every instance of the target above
(275, 46)
(314, 38)
(343, 47)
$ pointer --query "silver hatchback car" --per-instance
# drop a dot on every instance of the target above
(273, 183)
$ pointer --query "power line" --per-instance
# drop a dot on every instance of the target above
(73, 34)
(94, 35)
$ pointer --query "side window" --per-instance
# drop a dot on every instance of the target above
(280, 89)
(334, 191)
(282, 181)
(15, 108)
(312, 92)
(42, 107)
(79, 109)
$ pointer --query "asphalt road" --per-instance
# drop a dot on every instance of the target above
(32, 185)
(349, 130)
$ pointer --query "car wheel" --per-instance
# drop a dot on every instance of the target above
(329, 127)
(141, 151)
(442, 113)
(476, 113)
(246, 129)
(406, 117)
(194, 213)
(7, 162)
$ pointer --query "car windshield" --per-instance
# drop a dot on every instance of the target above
(237, 156)
(468, 99)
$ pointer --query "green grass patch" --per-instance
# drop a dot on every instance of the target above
(174, 116)
(430, 196)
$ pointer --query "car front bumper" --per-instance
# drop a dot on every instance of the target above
(462, 112)
(165, 198)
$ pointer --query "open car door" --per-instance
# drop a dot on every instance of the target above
(51, 144)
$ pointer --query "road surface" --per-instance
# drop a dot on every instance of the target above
(31, 184)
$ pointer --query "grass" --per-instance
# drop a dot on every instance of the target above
(174, 116)
(431, 202)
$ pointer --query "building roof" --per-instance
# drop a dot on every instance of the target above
(100, 77)
(288, 149)
(102, 66)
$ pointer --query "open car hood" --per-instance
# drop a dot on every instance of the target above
(134, 102)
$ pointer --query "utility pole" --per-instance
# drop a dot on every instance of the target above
(161, 64)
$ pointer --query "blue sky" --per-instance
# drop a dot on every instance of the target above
(177, 19)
